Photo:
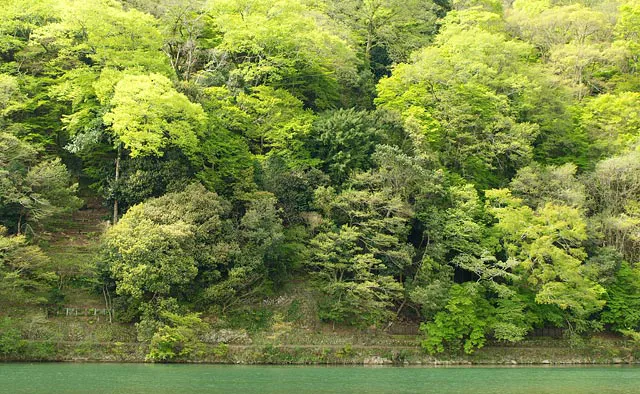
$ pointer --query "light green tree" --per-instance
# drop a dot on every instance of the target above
(178, 338)
(276, 123)
(454, 101)
(626, 31)
(612, 122)
(147, 115)
(186, 246)
(24, 275)
(462, 324)
(283, 44)
(614, 192)
(547, 248)
(538, 185)
(575, 40)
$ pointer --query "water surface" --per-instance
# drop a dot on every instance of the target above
(161, 379)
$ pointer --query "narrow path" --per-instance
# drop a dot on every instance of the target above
(291, 346)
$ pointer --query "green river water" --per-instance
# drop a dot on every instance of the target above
(160, 379)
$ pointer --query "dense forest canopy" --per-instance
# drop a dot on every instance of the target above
(471, 165)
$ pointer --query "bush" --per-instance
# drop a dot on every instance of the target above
(221, 350)
(462, 325)
(39, 350)
(253, 320)
(10, 337)
(177, 340)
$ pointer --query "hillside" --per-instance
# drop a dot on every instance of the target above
(316, 181)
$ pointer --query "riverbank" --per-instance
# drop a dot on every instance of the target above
(274, 339)
(526, 353)
(37, 337)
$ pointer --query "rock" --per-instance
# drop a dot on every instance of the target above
(376, 360)
(514, 362)
(546, 362)
(617, 360)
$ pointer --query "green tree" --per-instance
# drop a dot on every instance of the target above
(228, 164)
(276, 123)
(24, 274)
(458, 99)
(546, 246)
(160, 247)
(575, 40)
(612, 121)
(147, 115)
(178, 339)
(294, 188)
(361, 253)
(270, 121)
(463, 323)
(387, 30)
(186, 34)
(9, 96)
(149, 176)
(614, 191)
(282, 44)
(357, 291)
(76, 59)
(623, 300)
(87, 57)
(626, 31)
(32, 191)
(186, 245)
(345, 140)
(538, 185)
(148, 259)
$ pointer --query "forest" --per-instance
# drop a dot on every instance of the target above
(471, 166)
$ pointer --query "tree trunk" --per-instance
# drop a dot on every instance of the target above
(115, 202)
(107, 302)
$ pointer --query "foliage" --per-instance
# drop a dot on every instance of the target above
(364, 250)
(538, 185)
(612, 123)
(178, 339)
(453, 99)
(184, 244)
(24, 274)
(623, 296)
(546, 245)
(284, 45)
(463, 323)
(32, 191)
(10, 337)
(278, 122)
(345, 140)
(471, 165)
(387, 30)
(613, 190)
(148, 115)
